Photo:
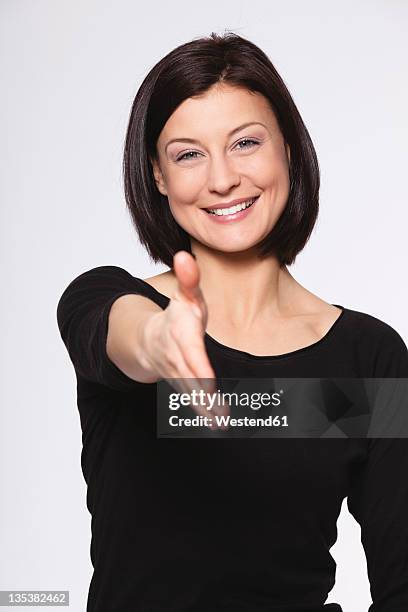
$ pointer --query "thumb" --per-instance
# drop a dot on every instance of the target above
(188, 276)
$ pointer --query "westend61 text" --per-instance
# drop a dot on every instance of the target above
(204, 421)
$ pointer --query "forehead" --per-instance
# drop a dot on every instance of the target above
(219, 110)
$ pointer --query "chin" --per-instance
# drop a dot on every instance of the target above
(233, 246)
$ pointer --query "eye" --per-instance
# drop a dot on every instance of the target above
(251, 140)
(192, 154)
(187, 153)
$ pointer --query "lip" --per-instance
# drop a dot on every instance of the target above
(234, 217)
(229, 204)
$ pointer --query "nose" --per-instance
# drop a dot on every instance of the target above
(222, 175)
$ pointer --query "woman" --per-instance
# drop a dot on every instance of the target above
(226, 524)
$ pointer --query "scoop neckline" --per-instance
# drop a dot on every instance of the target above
(240, 354)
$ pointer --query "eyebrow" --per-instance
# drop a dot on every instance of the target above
(237, 129)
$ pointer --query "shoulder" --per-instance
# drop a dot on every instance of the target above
(98, 282)
(102, 272)
(115, 273)
(373, 327)
(380, 342)
(164, 283)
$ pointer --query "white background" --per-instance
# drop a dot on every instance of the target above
(69, 73)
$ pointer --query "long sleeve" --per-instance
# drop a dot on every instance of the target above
(82, 316)
(378, 498)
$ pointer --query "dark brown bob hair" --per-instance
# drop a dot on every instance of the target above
(190, 70)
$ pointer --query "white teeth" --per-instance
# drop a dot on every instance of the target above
(232, 210)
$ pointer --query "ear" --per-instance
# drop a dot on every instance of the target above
(287, 151)
(158, 176)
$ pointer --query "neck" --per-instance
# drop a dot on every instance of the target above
(241, 288)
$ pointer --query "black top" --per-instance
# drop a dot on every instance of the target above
(230, 524)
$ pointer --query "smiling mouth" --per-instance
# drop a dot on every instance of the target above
(225, 212)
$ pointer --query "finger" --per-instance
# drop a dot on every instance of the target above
(196, 358)
(188, 277)
(194, 365)
(185, 385)
(190, 383)
(198, 361)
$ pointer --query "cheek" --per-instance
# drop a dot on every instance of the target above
(269, 169)
(184, 191)
(184, 184)
(182, 205)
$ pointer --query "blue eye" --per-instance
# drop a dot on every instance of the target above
(184, 155)
(193, 153)
(248, 140)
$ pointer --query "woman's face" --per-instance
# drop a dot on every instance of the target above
(207, 158)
